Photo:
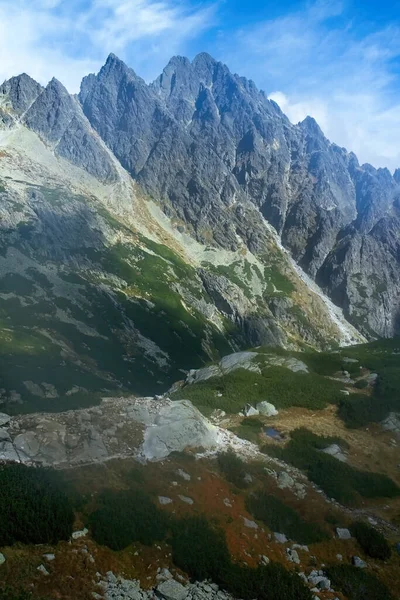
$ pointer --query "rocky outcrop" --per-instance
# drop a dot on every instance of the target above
(144, 428)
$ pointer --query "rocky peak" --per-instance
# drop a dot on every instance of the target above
(20, 92)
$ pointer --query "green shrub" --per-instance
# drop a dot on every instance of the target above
(232, 467)
(357, 584)
(271, 582)
(249, 429)
(371, 541)
(282, 518)
(361, 384)
(283, 387)
(201, 551)
(338, 480)
(7, 593)
(33, 507)
(125, 517)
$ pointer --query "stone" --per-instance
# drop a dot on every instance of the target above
(343, 534)
(2, 559)
(186, 499)
(4, 419)
(80, 534)
(171, 590)
(265, 560)
(250, 411)
(183, 474)
(227, 502)
(266, 409)
(336, 451)
(280, 537)
(249, 524)
(42, 569)
(339, 557)
(300, 547)
(49, 557)
(292, 556)
(358, 562)
(164, 500)
(285, 480)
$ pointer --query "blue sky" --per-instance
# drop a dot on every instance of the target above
(338, 61)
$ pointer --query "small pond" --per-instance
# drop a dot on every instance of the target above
(274, 434)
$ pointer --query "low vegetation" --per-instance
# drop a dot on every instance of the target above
(338, 480)
(125, 517)
(33, 507)
(279, 385)
(280, 517)
(201, 551)
(357, 584)
(371, 541)
(233, 468)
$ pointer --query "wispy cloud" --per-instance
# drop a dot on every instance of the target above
(69, 39)
(318, 61)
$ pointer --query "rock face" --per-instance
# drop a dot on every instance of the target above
(240, 159)
(144, 428)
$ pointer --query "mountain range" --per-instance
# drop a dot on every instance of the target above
(146, 229)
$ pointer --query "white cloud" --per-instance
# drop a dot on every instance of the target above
(316, 62)
(70, 38)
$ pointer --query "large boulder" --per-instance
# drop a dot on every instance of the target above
(266, 409)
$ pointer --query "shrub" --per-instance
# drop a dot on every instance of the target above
(371, 541)
(126, 517)
(361, 384)
(7, 593)
(280, 517)
(201, 551)
(233, 467)
(283, 387)
(338, 480)
(357, 584)
(249, 429)
(33, 507)
(271, 582)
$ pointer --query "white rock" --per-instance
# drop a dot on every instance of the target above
(49, 557)
(250, 411)
(358, 562)
(293, 556)
(267, 409)
(183, 474)
(336, 451)
(2, 559)
(80, 534)
(249, 524)
(164, 500)
(42, 569)
(186, 499)
(280, 537)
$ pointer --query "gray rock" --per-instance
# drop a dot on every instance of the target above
(250, 411)
(49, 557)
(171, 590)
(343, 534)
(80, 534)
(4, 419)
(358, 562)
(186, 499)
(164, 500)
(280, 537)
(42, 569)
(292, 556)
(335, 451)
(249, 524)
(2, 559)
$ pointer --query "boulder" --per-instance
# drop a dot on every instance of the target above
(4, 419)
(335, 451)
(80, 534)
(164, 500)
(266, 409)
(292, 556)
(171, 590)
(186, 499)
(2, 559)
(249, 524)
(250, 411)
(280, 537)
(358, 562)
(343, 534)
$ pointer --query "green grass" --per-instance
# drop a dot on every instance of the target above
(338, 480)
(357, 584)
(278, 385)
(284, 519)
